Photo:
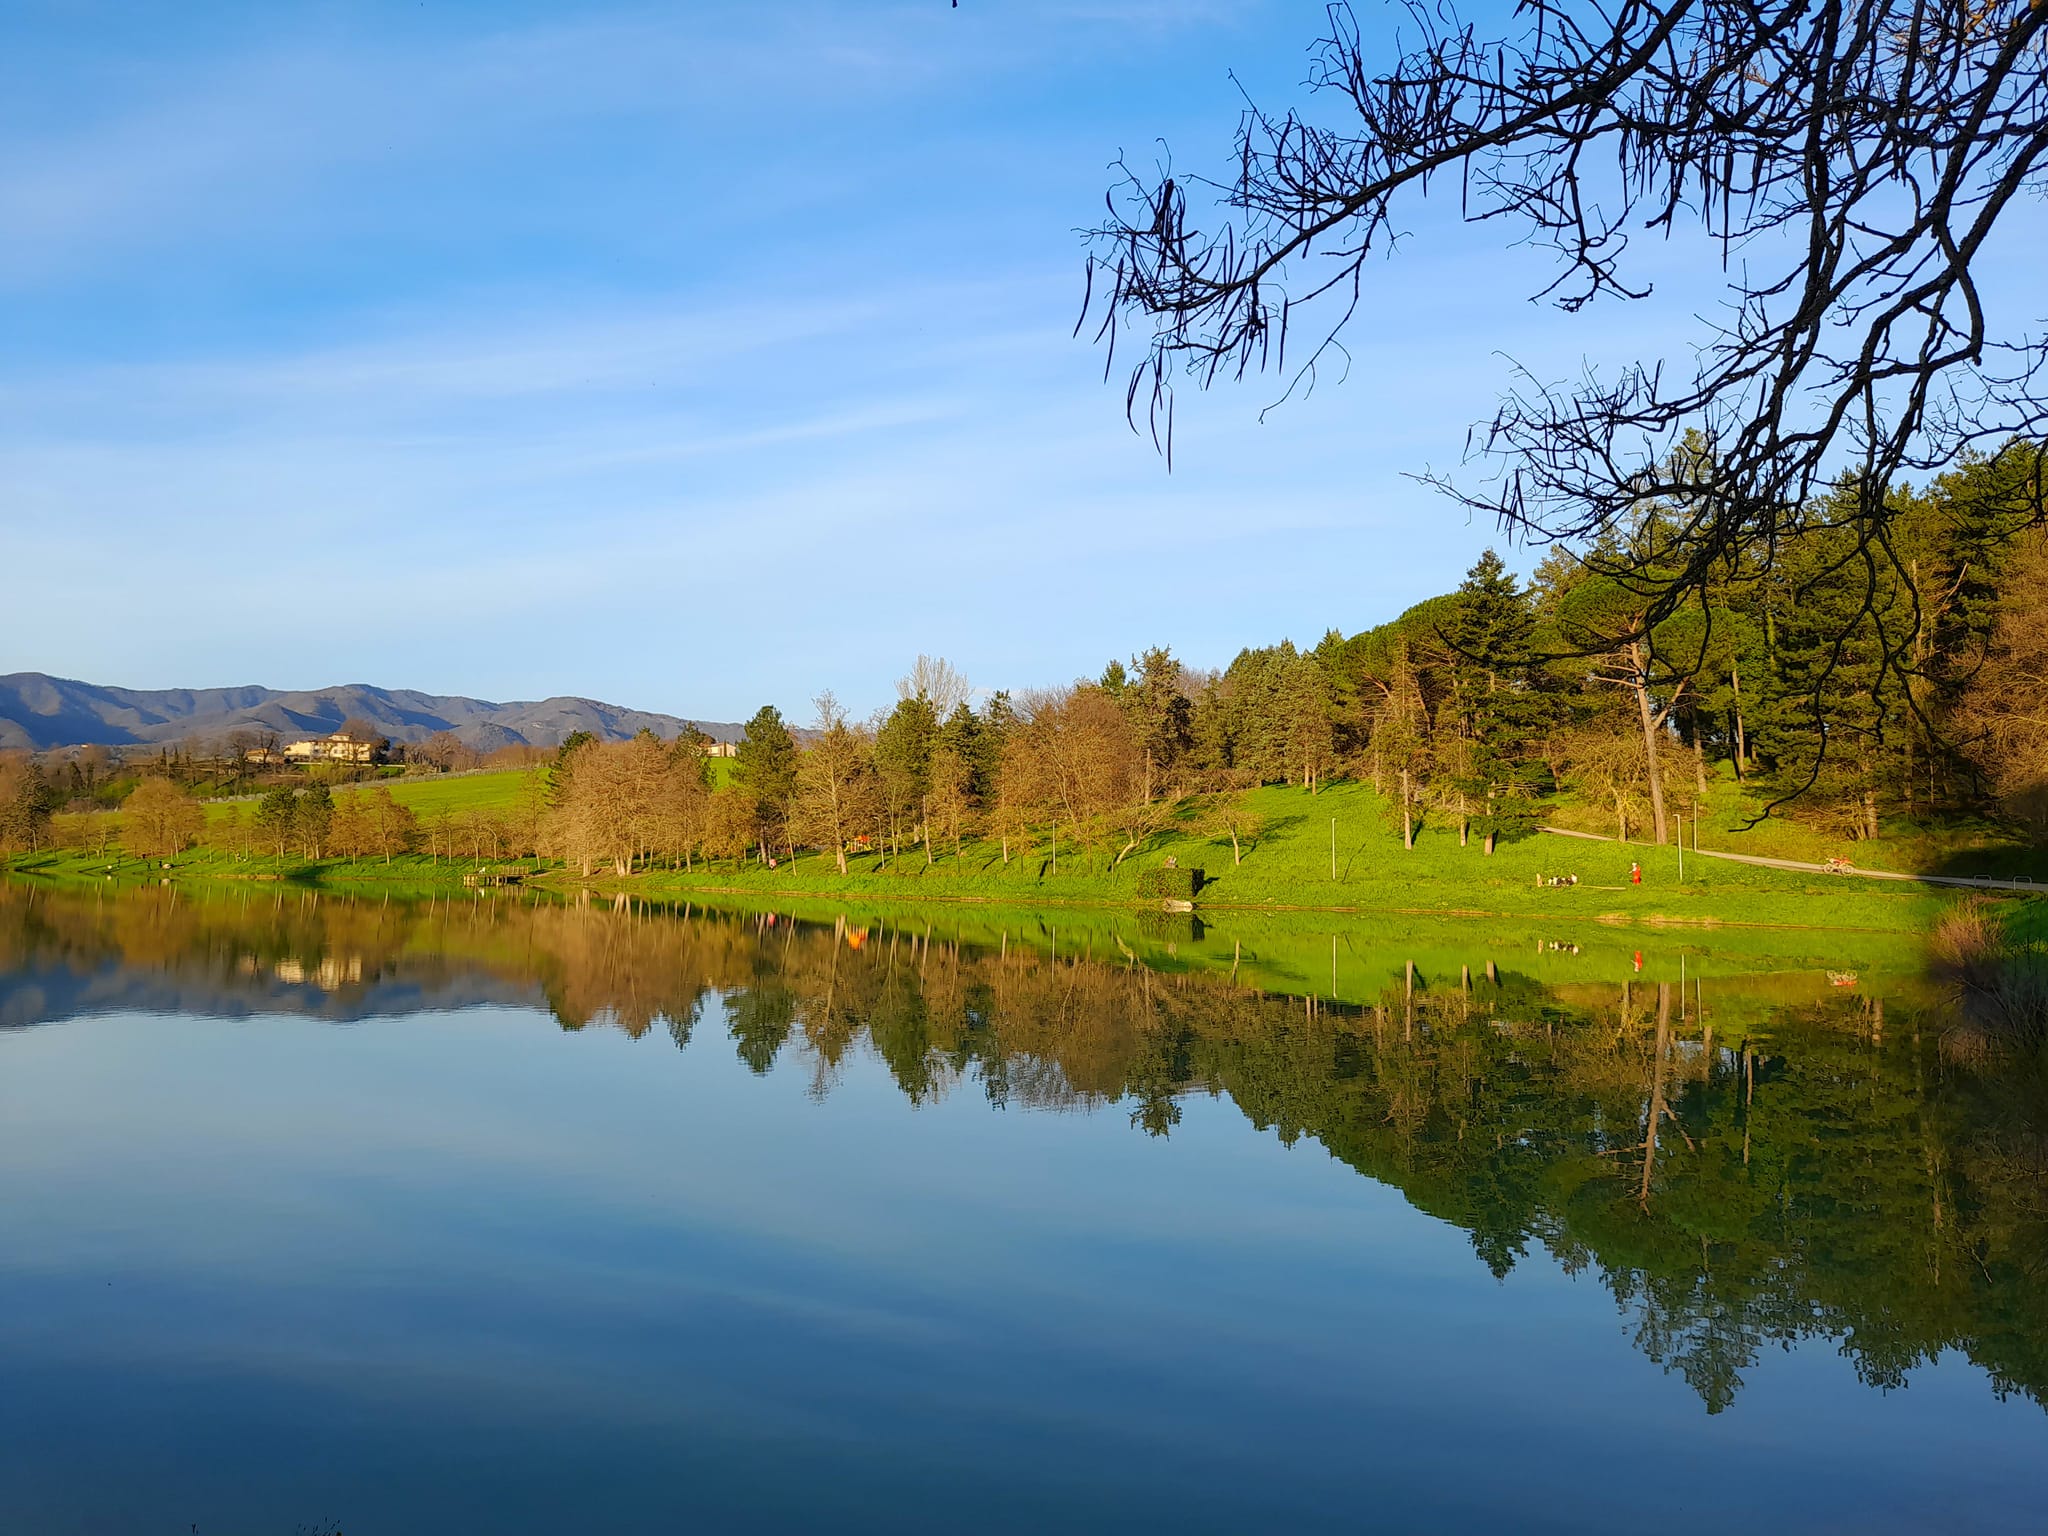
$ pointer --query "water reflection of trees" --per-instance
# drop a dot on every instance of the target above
(1816, 1171)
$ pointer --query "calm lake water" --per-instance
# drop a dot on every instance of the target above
(496, 1216)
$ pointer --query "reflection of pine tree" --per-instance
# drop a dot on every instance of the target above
(759, 1018)
(1159, 1077)
(899, 1030)
(681, 1026)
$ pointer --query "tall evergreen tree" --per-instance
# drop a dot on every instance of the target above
(764, 769)
(1501, 713)
(1163, 714)
(903, 758)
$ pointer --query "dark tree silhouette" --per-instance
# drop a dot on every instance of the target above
(1851, 159)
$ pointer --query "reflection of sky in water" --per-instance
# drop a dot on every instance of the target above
(466, 1271)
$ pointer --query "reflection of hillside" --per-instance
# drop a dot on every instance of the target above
(48, 994)
(1738, 1167)
(158, 950)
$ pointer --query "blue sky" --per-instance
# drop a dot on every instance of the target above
(685, 356)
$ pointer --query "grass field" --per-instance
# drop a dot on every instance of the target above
(423, 795)
(1291, 865)
(495, 793)
(1730, 818)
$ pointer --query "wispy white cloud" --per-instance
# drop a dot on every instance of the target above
(429, 361)
(780, 475)
(764, 474)
(190, 149)
(221, 144)
(793, 401)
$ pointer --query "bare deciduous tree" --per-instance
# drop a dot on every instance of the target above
(348, 832)
(159, 819)
(1851, 161)
(835, 780)
(1233, 817)
(949, 800)
(388, 827)
(1076, 755)
(939, 682)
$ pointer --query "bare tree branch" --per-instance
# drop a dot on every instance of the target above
(1859, 152)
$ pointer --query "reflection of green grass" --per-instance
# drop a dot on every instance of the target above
(1356, 959)
(1738, 974)
(1290, 865)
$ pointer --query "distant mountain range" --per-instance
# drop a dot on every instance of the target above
(38, 712)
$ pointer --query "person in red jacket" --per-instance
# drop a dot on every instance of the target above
(1635, 874)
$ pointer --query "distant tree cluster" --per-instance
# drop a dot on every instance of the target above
(1839, 690)
(249, 761)
(1481, 708)
(28, 801)
(618, 805)
(1836, 691)
(160, 819)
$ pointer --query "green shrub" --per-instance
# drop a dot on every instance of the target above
(1169, 884)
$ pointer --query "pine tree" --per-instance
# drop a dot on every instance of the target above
(903, 757)
(764, 770)
(1501, 713)
(1163, 714)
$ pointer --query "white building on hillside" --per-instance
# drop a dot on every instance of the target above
(341, 747)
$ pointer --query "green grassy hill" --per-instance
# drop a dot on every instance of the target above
(1290, 865)
(494, 793)
(1287, 865)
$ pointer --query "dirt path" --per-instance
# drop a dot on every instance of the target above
(1978, 882)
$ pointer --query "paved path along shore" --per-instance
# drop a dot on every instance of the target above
(1979, 882)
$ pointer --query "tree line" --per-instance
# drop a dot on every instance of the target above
(1484, 708)
(37, 789)
(1488, 708)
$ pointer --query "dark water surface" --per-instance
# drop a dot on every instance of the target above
(501, 1217)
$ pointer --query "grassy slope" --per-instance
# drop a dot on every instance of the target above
(424, 795)
(1728, 819)
(427, 795)
(1290, 866)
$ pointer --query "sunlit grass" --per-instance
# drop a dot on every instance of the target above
(1291, 864)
